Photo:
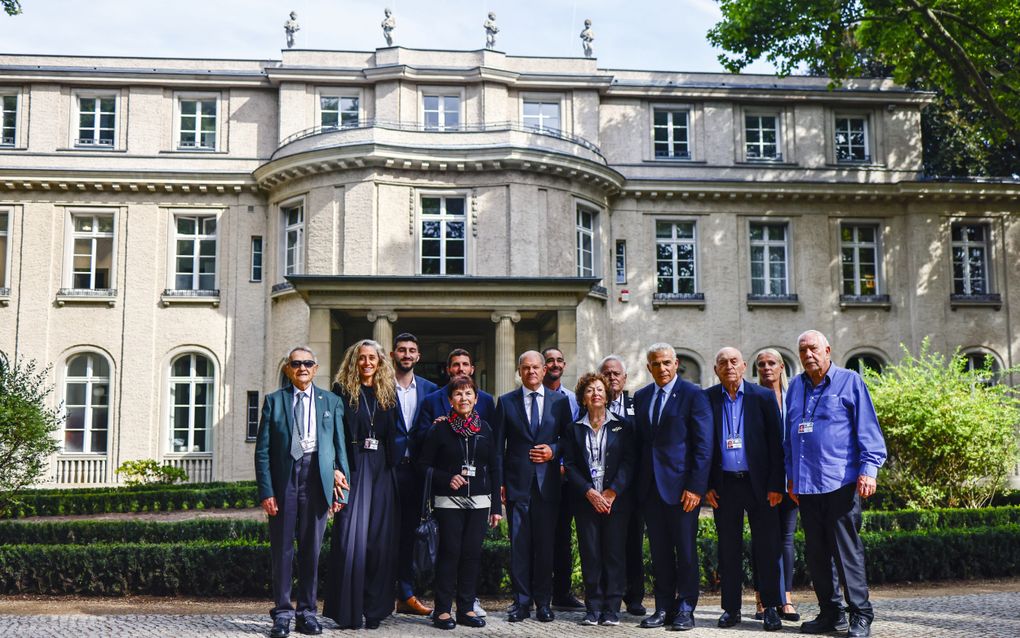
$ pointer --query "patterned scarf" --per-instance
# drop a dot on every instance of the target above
(464, 426)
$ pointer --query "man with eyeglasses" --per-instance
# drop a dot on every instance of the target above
(301, 472)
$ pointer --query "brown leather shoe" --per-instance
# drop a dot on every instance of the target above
(412, 606)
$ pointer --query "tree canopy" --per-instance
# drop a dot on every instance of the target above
(11, 7)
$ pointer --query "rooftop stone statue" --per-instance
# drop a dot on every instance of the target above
(490, 31)
(291, 27)
(389, 23)
(587, 37)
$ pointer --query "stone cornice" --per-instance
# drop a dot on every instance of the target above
(72, 181)
(133, 76)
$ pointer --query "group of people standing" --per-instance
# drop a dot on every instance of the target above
(618, 465)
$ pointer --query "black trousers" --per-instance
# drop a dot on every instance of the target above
(832, 525)
(410, 488)
(788, 512)
(634, 549)
(563, 556)
(459, 560)
(735, 498)
(532, 529)
(601, 541)
(672, 537)
(301, 516)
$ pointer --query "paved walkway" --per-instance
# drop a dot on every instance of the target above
(992, 614)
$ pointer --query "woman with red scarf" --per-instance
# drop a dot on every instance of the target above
(461, 452)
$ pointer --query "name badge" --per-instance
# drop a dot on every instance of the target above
(734, 444)
(806, 427)
(630, 411)
(467, 470)
(598, 472)
(371, 444)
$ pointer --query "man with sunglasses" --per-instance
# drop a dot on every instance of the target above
(299, 458)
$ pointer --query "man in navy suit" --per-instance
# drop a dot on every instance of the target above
(458, 364)
(411, 393)
(674, 426)
(747, 475)
(529, 422)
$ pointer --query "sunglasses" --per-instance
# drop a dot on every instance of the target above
(307, 363)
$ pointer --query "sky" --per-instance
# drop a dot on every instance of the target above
(640, 34)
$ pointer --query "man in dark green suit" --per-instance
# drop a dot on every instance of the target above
(299, 459)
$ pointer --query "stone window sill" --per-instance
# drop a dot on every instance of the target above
(772, 301)
(87, 296)
(689, 300)
(993, 300)
(192, 297)
(865, 301)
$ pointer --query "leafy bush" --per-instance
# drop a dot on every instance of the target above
(92, 531)
(149, 472)
(114, 500)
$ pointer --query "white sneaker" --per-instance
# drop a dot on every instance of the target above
(478, 609)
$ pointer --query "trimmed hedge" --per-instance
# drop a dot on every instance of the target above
(117, 500)
(91, 531)
(935, 519)
(149, 487)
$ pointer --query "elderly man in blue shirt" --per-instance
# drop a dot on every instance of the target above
(833, 448)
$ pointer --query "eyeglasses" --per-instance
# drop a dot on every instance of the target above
(307, 363)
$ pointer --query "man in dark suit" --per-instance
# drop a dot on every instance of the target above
(674, 426)
(529, 423)
(621, 404)
(411, 393)
(299, 458)
(747, 475)
(436, 404)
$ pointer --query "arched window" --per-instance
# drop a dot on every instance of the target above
(191, 403)
(863, 360)
(791, 371)
(977, 359)
(87, 404)
(689, 369)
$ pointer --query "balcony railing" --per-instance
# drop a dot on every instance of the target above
(80, 470)
(198, 466)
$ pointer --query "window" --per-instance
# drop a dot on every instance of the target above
(970, 259)
(851, 141)
(788, 366)
(87, 404)
(191, 403)
(761, 137)
(198, 123)
(688, 369)
(338, 111)
(195, 259)
(442, 112)
(5, 218)
(859, 362)
(97, 121)
(670, 134)
(253, 415)
(981, 360)
(585, 242)
(8, 120)
(542, 115)
(443, 239)
(621, 261)
(293, 238)
(859, 243)
(769, 273)
(256, 258)
(676, 262)
(92, 256)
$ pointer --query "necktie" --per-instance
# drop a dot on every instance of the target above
(658, 407)
(296, 452)
(535, 419)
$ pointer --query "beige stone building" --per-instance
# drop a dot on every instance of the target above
(169, 228)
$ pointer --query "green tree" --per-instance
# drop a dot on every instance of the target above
(26, 426)
(11, 7)
(951, 432)
(967, 49)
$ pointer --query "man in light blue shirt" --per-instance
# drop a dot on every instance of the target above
(834, 448)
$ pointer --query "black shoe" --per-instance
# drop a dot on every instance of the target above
(569, 603)
(841, 622)
(637, 609)
(792, 616)
(772, 622)
(281, 628)
(729, 620)
(470, 621)
(544, 614)
(372, 623)
(824, 624)
(859, 626)
(517, 613)
(684, 621)
(443, 623)
(655, 620)
(590, 619)
(609, 619)
(308, 626)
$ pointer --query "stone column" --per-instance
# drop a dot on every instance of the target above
(382, 327)
(506, 352)
(319, 324)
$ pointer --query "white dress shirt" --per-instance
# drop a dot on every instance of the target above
(307, 429)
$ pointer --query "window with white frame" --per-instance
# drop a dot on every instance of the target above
(195, 256)
(769, 258)
(197, 123)
(97, 121)
(761, 137)
(970, 259)
(541, 115)
(443, 237)
(8, 120)
(293, 216)
(5, 220)
(671, 133)
(441, 112)
(621, 261)
(92, 244)
(338, 111)
(676, 257)
(860, 251)
(256, 258)
(851, 141)
(86, 404)
(191, 403)
(587, 220)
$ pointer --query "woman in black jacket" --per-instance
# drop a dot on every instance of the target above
(599, 457)
(461, 452)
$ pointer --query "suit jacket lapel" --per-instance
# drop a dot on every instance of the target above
(320, 411)
(288, 408)
(547, 409)
(525, 419)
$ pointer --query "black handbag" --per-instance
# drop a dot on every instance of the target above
(426, 536)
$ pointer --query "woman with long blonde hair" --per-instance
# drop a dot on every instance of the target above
(363, 560)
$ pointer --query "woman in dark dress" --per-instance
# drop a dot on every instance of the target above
(461, 452)
(363, 551)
